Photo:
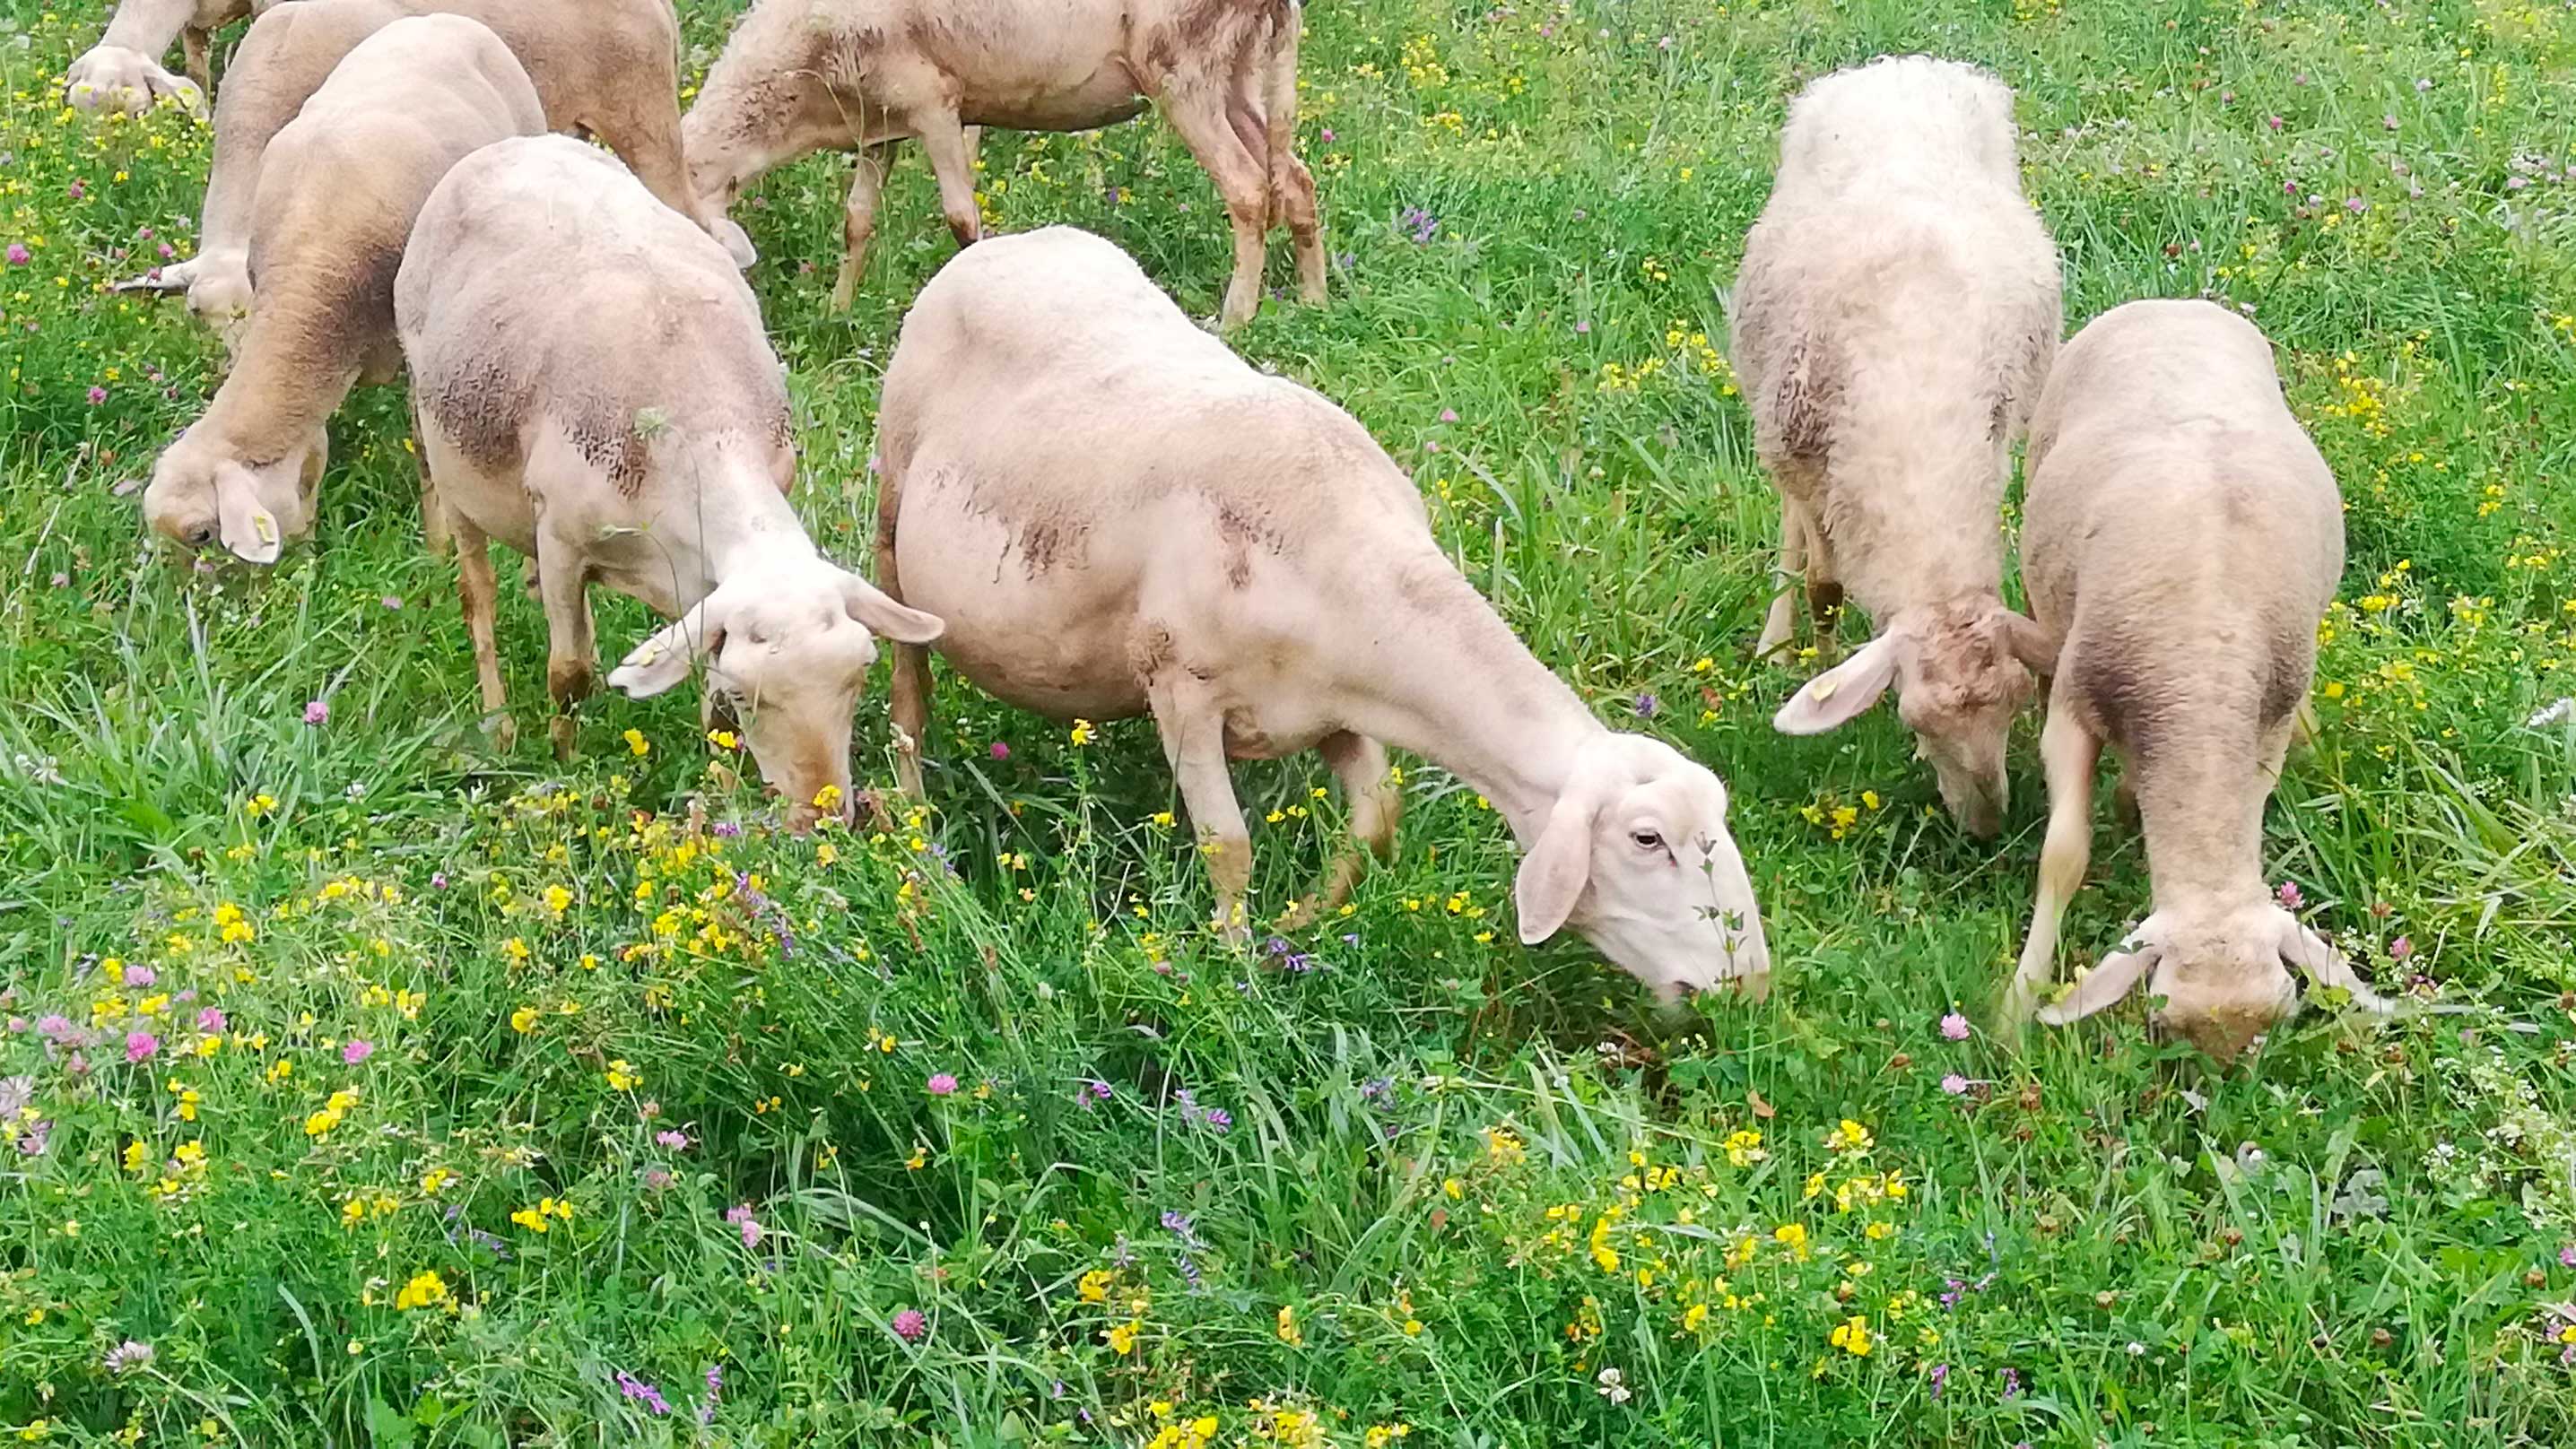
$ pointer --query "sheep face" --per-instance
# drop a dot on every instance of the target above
(2223, 979)
(789, 651)
(1635, 856)
(1961, 672)
(200, 496)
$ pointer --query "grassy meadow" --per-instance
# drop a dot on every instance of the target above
(366, 1083)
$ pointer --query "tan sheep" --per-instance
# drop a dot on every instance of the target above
(1161, 530)
(1896, 312)
(335, 206)
(595, 390)
(123, 71)
(2164, 421)
(802, 75)
(602, 68)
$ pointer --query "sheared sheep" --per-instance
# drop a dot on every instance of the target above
(1116, 516)
(123, 71)
(336, 200)
(2183, 539)
(861, 75)
(1896, 313)
(595, 390)
(603, 68)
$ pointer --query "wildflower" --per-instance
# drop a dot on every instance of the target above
(1955, 1027)
(140, 1045)
(539, 1219)
(635, 1388)
(715, 1393)
(1744, 1147)
(358, 1050)
(1852, 1336)
(1612, 1386)
(941, 1084)
(1954, 1084)
(1582, 328)
(18, 255)
(1289, 1333)
(425, 1290)
(1646, 704)
(1502, 1148)
(434, 1179)
(127, 1357)
(1849, 1136)
(910, 1326)
(741, 1217)
(1081, 733)
(1000, 751)
(97, 395)
(673, 1139)
(1094, 1287)
(1087, 1093)
(622, 1076)
(210, 1021)
(317, 712)
(1122, 1339)
(524, 1020)
(723, 739)
(2289, 895)
(1792, 1236)
(2400, 949)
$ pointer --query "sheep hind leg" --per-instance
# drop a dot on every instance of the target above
(1199, 113)
(479, 593)
(951, 150)
(434, 532)
(859, 218)
(1375, 805)
(1192, 726)
(572, 647)
(1782, 623)
(2069, 752)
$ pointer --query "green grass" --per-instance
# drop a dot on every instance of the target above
(1439, 1142)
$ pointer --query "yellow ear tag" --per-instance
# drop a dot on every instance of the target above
(265, 526)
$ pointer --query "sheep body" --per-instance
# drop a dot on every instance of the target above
(1897, 309)
(2183, 539)
(1162, 530)
(333, 211)
(801, 75)
(604, 68)
(594, 389)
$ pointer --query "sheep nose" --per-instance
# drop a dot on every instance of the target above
(201, 535)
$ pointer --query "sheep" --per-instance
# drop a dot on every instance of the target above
(595, 390)
(335, 206)
(123, 71)
(1115, 516)
(1895, 314)
(801, 75)
(606, 68)
(2183, 540)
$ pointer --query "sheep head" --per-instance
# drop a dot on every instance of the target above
(2223, 980)
(790, 650)
(201, 494)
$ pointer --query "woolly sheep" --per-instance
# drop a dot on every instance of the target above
(801, 75)
(2183, 540)
(335, 206)
(596, 391)
(1162, 530)
(1896, 312)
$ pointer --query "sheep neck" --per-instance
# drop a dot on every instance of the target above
(2200, 805)
(746, 525)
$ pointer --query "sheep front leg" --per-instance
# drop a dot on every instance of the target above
(1375, 805)
(945, 142)
(1193, 730)
(908, 690)
(1782, 623)
(572, 648)
(197, 46)
(2068, 751)
(480, 593)
(859, 219)
(1198, 112)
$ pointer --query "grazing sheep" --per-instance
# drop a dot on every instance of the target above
(335, 206)
(861, 75)
(604, 68)
(1155, 528)
(123, 71)
(2183, 540)
(1896, 312)
(595, 390)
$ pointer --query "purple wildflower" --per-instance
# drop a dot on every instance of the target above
(1001, 751)
(140, 975)
(2567, 1256)
(1087, 1093)
(18, 256)
(2289, 895)
(725, 829)
(1583, 328)
(2012, 1385)
(211, 1020)
(97, 395)
(910, 1326)
(127, 1357)
(635, 1388)
(1940, 1376)
(1954, 1084)
(2355, 205)
(941, 1084)
(1327, 135)
(31, 1143)
(1955, 1027)
(58, 1028)
(1646, 705)
(358, 1050)
(673, 1138)
(317, 711)
(715, 1395)
(2400, 949)
(657, 1178)
(15, 1093)
(1448, 415)
(1219, 1119)
(1418, 221)
(141, 1046)
(438, 880)
(751, 1230)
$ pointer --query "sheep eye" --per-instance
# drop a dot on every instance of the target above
(1646, 839)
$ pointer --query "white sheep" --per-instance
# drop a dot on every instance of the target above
(602, 68)
(595, 390)
(2183, 539)
(123, 71)
(1896, 312)
(861, 75)
(1159, 529)
(335, 206)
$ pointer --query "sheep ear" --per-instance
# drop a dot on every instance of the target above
(2029, 643)
(2325, 965)
(246, 528)
(1841, 693)
(884, 617)
(664, 659)
(1552, 878)
(2104, 985)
